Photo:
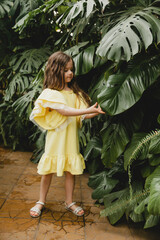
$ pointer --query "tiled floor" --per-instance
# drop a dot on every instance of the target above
(19, 189)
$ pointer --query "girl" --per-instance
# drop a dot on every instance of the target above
(60, 109)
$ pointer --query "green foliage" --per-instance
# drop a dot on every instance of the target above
(123, 90)
(130, 35)
(118, 203)
(102, 184)
(5, 6)
(154, 198)
(30, 60)
(115, 48)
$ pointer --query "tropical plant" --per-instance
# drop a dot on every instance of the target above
(140, 200)
(115, 48)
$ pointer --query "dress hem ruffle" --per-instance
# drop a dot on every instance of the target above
(73, 163)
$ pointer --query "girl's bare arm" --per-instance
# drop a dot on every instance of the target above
(68, 111)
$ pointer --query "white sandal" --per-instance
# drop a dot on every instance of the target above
(75, 211)
(37, 210)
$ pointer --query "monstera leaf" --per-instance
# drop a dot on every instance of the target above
(19, 84)
(83, 57)
(30, 60)
(131, 35)
(116, 134)
(27, 15)
(5, 6)
(83, 8)
(93, 148)
(123, 90)
(102, 184)
(154, 198)
(115, 137)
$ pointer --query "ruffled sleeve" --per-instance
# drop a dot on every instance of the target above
(44, 113)
(81, 104)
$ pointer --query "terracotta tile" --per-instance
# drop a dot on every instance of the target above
(139, 233)
(12, 229)
(56, 211)
(16, 158)
(4, 152)
(87, 196)
(92, 214)
(16, 208)
(1, 202)
(10, 169)
(29, 180)
(58, 194)
(5, 190)
(103, 231)
(20, 158)
(60, 181)
(84, 180)
(61, 230)
(31, 169)
(25, 192)
(10, 179)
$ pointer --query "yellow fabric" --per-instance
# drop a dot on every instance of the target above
(80, 104)
(62, 146)
(43, 116)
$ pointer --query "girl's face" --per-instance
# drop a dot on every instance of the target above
(68, 72)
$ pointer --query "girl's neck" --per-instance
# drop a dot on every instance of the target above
(66, 88)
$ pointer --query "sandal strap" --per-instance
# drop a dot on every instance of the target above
(36, 209)
(70, 205)
(39, 202)
(77, 210)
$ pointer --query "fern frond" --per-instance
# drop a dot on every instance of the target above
(144, 143)
(125, 204)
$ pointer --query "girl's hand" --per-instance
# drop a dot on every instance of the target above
(95, 109)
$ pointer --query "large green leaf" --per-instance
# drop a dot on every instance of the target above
(23, 105)
(18, 84)
(141, 207)
(83, 57)
(130, 35)
(27, 15)
(123, 90)
(23, 7)
(149, 179)
(5, 6)
(154, 159)
(93, 148)
(115, 205)
(137, 137)
(154, 198)
(116, 134)
(102, 184)
(142, 146)
(136, 217)
(81, 8)
(30, 60)
(151, 221)
(115, 137)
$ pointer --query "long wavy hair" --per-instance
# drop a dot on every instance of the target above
(54, 75)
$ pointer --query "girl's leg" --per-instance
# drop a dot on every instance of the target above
(69, 188)
(44, 187)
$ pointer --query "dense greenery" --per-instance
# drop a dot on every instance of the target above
(115, 47)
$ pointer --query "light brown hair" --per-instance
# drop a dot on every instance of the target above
(54, 75)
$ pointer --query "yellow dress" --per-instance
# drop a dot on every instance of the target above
(62, 143)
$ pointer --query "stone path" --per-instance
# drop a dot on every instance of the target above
(19, 189)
